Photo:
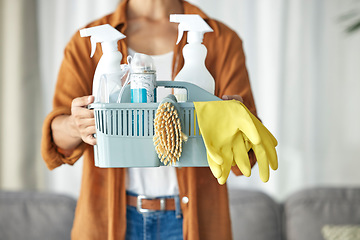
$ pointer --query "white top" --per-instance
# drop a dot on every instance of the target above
(157, 181)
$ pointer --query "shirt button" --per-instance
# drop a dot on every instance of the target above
(185, 200)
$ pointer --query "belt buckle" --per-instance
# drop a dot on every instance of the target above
(143, 210)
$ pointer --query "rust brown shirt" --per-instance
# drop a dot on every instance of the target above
(101, 208)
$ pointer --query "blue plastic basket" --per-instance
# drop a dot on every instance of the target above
(124, 131)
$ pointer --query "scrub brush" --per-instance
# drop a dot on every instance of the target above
(168, 136)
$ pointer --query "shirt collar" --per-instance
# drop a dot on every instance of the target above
(118, 19)
(192, 9)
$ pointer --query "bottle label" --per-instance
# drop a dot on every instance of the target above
(143, 87)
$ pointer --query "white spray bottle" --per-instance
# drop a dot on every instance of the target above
(194, 70)
(109, 70)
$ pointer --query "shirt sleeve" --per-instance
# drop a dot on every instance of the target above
(74, 80)
(230, 72)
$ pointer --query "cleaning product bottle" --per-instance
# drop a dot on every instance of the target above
(142, 78)
(194, 70)
(109, 67)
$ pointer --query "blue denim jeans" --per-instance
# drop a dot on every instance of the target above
(155, 225)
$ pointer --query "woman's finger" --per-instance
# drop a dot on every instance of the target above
(233, 97)
(82, 101)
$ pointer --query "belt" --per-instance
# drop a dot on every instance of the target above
(145, 204)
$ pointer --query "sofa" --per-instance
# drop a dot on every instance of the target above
(35, 215)
(310, 214)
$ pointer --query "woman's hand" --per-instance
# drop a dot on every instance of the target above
(68, 131)
(233, 97)
(83, 119)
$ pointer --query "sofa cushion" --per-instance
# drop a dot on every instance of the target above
(33, 215)
(254, 215)
(308, 211)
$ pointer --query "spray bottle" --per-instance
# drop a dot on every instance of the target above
(109, 71)
(194, 70)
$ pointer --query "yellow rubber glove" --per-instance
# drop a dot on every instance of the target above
(267, 147)
(239, 151)
(229, 131)
(218, 131)
(268, 140)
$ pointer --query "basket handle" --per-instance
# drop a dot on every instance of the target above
(194, 92)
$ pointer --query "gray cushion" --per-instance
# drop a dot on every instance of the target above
(38, 216)
(254, 215)
(308, 211)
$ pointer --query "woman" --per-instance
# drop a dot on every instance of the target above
(196, 205)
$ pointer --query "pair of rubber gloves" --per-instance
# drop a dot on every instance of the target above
(229, 131)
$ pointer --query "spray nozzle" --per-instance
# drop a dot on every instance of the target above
(104, 34)
(193, 23)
